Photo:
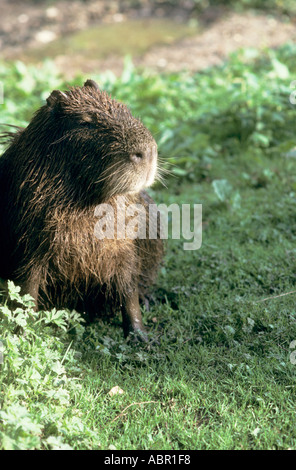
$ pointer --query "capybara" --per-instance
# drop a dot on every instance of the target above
(81, 149)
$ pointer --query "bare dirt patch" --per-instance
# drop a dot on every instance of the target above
(27, 26)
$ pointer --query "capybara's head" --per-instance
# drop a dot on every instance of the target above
(104, 149)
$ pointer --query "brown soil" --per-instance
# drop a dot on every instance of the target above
(222, 32)
(217, 41)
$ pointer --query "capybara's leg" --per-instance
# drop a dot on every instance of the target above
(132, 317)
(31, 286)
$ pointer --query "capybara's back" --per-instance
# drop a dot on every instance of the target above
(82, 152)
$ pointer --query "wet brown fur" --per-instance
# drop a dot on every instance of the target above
(74, 155)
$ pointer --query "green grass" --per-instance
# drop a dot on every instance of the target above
(222, 375)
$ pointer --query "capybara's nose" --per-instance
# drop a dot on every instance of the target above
(148, 154)
(137, 157)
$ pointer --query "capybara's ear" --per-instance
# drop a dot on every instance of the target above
(92, 84)
(56, 97)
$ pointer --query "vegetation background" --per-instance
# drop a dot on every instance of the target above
(223, 374)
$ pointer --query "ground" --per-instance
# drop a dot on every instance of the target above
(217, 33)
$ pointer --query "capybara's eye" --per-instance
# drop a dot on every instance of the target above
(88, 124)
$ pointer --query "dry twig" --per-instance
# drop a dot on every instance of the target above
(132, 404)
